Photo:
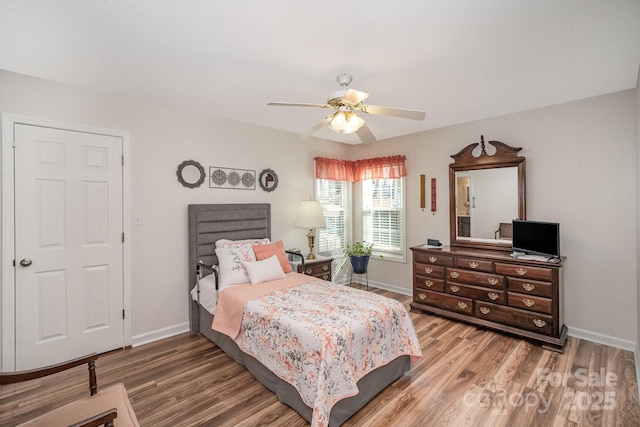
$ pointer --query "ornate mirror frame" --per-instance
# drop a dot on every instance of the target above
(186, 175)
(505, 156)
(268, 180)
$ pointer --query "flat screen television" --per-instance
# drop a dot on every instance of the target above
(536, 237)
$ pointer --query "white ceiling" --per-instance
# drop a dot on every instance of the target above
(457, 60)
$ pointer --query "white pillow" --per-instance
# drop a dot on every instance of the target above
(230, 262)
(265, 270)
(226, 243)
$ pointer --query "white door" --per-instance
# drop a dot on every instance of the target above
(68, 244)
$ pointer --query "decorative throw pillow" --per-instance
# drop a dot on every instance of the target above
(265, 270)
(230, 260)
(277, 249)
(247, 243)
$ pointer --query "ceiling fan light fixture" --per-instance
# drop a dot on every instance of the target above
(346, 122)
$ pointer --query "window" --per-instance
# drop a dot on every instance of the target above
(335, 197)
(383, 215)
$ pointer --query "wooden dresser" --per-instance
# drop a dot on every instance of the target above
(492, 289)
(320, 268)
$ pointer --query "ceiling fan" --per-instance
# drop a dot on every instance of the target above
(344, 119)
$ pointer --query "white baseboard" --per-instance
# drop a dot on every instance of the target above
(637, 357)
(387, 287)
(602, 339)
(159, 334)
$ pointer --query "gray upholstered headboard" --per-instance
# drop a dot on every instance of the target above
(208, 223)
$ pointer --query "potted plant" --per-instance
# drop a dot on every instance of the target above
(359, 253)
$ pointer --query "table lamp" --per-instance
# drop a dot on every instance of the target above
(310, 215)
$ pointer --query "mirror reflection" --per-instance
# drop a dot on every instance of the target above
(485, 199)
(191, 174)
(268, 180)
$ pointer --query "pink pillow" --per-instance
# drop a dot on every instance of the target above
(277, 249)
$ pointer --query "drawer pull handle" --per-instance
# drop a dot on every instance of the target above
(422, 296)
(308, 271)
(539, 323)
(454, 288)
(528, 287)
(528, 302)
(484, 310)
(493, 296)
(428, 283)
(521, 271)
(493, 281)
(428, 270)
(454, 274)
(325, 267)
(433, 259)
(473, 264)
(462, 305)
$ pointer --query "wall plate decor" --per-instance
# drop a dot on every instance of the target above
(190, 174)
(235, 179)
(268, 180)
(422, 192)
(433, 195)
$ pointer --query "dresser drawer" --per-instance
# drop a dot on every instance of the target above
(476, 292)
(433, 259)
(525, 271)
(535, 322)
(475, 278)
(475, 264)
(321, 270)
(429, 270)
(530, 287)
(444, 301)
(529, 302)
(428, 283)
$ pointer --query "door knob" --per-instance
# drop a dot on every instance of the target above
(26, 262)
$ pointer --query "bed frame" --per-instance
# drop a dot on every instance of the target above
(208, 223)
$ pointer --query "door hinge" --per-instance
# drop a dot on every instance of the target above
(14, 262)
(123, 237)
(122, 160)
(123, 313)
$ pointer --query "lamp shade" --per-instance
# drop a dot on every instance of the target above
(310, 215)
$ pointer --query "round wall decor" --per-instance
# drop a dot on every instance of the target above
(268, 180)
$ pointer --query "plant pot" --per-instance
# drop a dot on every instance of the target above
(359, 263)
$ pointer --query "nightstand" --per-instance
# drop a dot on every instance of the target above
(320, 268)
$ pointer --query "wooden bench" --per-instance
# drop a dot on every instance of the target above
(109, 407)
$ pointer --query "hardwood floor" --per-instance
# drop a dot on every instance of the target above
(466, 377)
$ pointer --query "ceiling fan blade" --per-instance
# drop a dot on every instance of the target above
(354, 97)
(365, 134)
(395, 112)
(298, 104)
(317, 127)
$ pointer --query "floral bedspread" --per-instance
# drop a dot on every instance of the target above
(322, 338)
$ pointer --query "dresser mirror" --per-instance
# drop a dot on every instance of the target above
(486, 192)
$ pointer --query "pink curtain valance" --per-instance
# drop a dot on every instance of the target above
(381, 167)
(334, 169)
(346, 170)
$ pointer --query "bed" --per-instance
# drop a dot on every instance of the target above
(209, 223)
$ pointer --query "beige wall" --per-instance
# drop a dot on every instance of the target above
(161, 138)
(638, 222)
(581, 172)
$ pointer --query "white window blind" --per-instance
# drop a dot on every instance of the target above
(383, 215)
(335, 197)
